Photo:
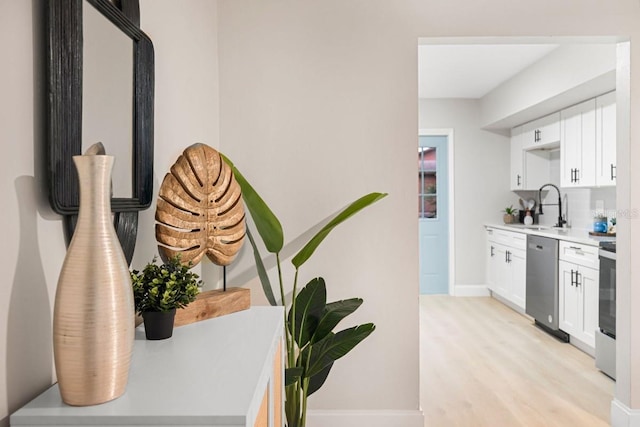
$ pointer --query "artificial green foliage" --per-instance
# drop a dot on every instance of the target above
(312, 345)
(164, 287)
(510, 210)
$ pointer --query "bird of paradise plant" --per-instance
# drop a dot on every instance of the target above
(312, 345)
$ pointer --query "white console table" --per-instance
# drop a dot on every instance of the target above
(223, 372)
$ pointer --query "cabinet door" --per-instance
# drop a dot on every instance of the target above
(500, 271)
(542, 133)
(588, 288)
(578, 145)
(549, 130)
(606, 139)
(517, 159)
(518, 275)
(491, 265)
(569, 300)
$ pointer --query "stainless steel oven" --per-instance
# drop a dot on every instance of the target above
(606, 334)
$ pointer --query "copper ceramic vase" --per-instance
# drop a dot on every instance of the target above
(93, 330)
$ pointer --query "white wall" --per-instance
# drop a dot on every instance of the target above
(481, 176)
(33, 244)
(318, 105)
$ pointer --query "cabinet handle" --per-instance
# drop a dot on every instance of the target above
(572, 277)
(492, 251)
(573, 175)
(578, 276)
(577, 175)
(577, 248)
(612, 169)
(509, 257)
(518, 184)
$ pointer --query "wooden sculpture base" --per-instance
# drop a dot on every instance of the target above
(214, 303)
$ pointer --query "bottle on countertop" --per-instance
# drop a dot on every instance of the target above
(528, 219)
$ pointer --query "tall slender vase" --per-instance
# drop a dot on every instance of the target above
(93, 328)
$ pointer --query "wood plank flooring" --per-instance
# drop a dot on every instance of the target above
(482, 364)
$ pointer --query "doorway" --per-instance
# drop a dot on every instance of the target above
(497, 126)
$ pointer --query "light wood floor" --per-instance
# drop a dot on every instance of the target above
(483, 364)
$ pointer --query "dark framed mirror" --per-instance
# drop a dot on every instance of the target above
(125, 127)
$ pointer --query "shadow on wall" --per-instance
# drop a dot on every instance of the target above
(29, 329)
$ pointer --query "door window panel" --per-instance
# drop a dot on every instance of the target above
(427, 183)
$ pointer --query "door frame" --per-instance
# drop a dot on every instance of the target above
(448, 132)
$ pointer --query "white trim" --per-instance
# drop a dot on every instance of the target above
(623, 416)
(471, 291)
(448, 132)
(371, 418)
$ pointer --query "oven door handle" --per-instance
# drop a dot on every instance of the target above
(607, 254)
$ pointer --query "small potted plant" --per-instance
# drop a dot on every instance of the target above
(158, 290)
(509, 214)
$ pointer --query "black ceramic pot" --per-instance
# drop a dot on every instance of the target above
(158, 325)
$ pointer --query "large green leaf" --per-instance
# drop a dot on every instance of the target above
(266, 222)
(262, 271)
(317, 381)
(355, 207)
(333, 313)
(310, 304)
(335, 346)
(292, 375)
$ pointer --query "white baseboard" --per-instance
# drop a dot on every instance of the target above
(623, 416)
(471, 291)
(382, 418)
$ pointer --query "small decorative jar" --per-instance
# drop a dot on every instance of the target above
(600, 224)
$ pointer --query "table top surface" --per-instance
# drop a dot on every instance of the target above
(212, 372)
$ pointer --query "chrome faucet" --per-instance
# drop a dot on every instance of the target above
(561, 220)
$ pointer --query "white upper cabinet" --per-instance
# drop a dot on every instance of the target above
(586, 136)
(529, 168)
(542, 133)
(605, 139)
(517, 159)
(578, 145)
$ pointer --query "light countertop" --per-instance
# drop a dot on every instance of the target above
(577, 235)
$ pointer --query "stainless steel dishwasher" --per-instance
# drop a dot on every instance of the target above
(542, 284)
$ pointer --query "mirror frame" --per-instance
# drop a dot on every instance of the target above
(65, 105)
(64, 137)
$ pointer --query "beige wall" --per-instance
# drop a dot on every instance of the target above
(186, 111)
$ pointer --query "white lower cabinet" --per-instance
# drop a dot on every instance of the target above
(578, 296)
(506, 265)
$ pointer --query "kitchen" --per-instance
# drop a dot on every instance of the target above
(514, 136)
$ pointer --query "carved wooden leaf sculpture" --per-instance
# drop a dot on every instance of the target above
(200, 209)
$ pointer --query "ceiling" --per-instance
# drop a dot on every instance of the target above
(472, 70)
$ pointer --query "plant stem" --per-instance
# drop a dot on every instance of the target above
(287, 334)
(303, 414)
(292, 355)
(305, 389)
(284, 303)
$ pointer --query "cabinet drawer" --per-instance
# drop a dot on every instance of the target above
(512, 239)
(580, 254)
